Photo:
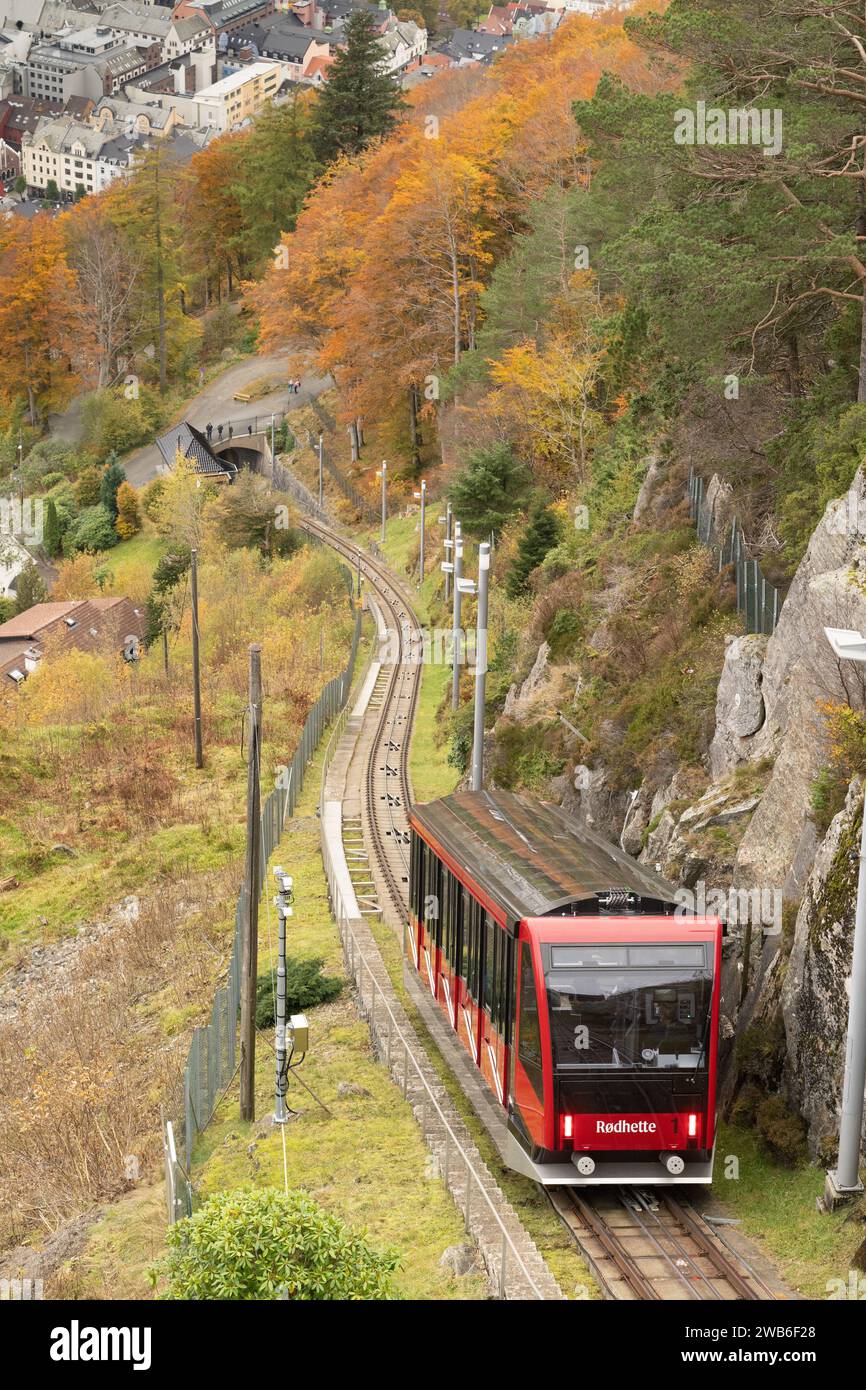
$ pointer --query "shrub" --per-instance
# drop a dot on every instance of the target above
(564, 632)
(305, 986)
(266, 1245)
(149, 498)
(128, 515)
(87, 487)
(92, 530)
(783, 1132)
(114, 424)
(29, 588)
(745, 1107)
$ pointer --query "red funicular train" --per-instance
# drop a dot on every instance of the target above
(588, 999)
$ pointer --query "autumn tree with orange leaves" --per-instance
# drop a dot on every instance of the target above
(39, 316)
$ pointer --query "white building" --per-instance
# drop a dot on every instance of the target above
(74, 156)
(404, 42)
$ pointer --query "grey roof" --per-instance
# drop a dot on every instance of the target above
(468, 44)
(533, 859)
(279, 39)
(192, 445)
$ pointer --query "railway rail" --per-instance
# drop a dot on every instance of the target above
(387, 789)
(647, 1245)
(640, 1244)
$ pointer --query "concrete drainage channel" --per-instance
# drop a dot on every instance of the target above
(514, 1265)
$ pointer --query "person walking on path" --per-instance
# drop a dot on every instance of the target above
(220, 433)
(231, 430)
(209, 431)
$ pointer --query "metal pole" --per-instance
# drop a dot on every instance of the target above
(321, 477)
(480, 667)
(457, 653)
(384, 497)
(846, 1178)
(359, 574)
(273, 451)
(282, 900)
(252, 885)
(423, 525)
(448, 549)
(196, 671)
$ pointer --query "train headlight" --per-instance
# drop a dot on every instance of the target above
(568, 1126)
(693, 1126)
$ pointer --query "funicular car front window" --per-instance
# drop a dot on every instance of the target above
(639, 1007)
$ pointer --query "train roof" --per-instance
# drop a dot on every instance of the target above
(534, 860)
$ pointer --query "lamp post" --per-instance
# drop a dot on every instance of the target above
(321, 477)
(845, 1182)
(423, 496)
(383, 474)
(273, 454)
(455, 623)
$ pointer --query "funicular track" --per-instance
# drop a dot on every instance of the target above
(644, 1244)
(640, 1243)
(387, 788)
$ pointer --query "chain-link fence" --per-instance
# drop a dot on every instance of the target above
(757, 599)
(349, 491)
(213, 1054)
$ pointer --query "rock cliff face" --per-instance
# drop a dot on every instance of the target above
(743, 822)
(817, 983)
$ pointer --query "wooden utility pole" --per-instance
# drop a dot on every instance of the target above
(196, 672)
(252, 885)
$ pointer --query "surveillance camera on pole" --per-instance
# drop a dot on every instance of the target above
(844, 1182)
(283, 903)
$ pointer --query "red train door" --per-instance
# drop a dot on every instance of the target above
(526, 1066)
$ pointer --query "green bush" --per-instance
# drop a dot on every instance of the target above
(114, 424)
(265, 1245)
(305, 986)
(564, 632)
(92, 530)
(745, 1107)
(783, 1132)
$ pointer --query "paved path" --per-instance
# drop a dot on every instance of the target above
(216, 404)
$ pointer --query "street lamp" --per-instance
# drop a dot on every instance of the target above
(457, 654)
(383, 474)
(845, 1182)
(467, 586)
(273, 454)
(321, 478)
(423, 496)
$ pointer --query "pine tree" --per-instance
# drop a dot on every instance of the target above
(360, 101)
(112, 479)
(488, 490)
(51, 535)
(541, 534)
